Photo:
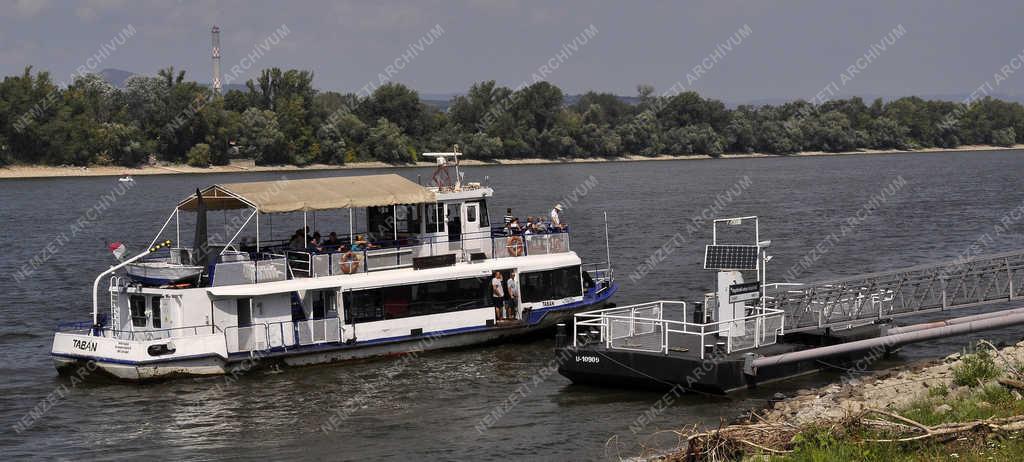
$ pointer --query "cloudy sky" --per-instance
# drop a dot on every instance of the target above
(793, 49)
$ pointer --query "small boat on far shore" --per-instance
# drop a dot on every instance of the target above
(126, 179)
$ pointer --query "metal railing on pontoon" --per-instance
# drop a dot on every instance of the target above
(647, 327)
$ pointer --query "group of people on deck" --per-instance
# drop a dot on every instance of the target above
(313, 243)
(317, 244)
(534, 225)
(505, 293)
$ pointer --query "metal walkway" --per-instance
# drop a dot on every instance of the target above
(859, 300)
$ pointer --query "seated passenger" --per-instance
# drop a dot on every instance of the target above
(295, 243)
(314, 243)
(361, 244)
(332, 241)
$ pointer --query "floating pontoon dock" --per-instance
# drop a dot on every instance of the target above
(722, 343)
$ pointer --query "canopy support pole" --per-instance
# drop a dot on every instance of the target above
(240, 228)
(257, 233)
(305, 238)
(177, 225)
(394, 222)
(350, 227)
(162, 228)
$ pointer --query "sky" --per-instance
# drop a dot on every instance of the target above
(788, 50)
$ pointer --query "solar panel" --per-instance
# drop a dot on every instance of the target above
(730, 257)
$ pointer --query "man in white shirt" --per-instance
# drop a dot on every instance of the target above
(498, 293)
(513, 295)
(556, 220)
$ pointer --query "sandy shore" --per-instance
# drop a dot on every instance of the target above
(36, 171)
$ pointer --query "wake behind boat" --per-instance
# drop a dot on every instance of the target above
(427, 275)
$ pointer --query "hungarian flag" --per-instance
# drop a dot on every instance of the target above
(118, 249)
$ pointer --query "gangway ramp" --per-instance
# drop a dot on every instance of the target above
(863, 299)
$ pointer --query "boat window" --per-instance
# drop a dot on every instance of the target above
(471, 213)
(155, 312)
(363, 306)
(435, 218)
(398, 302)
(324, 304)
(137, 306)
(485, 221)
(408, 219)
(551, 285)
(244, 306)
(380, 220)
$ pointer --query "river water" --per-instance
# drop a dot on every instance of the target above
(898, 210)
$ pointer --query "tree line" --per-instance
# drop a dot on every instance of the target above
(282, 119)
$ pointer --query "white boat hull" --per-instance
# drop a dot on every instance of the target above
(207, 355)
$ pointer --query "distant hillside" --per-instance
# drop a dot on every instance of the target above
(115, 77)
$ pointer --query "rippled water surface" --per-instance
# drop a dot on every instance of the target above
(431, 407)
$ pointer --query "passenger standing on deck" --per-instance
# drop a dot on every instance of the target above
(508, 217)
(556, 219)
(513, 295)
(498, 293)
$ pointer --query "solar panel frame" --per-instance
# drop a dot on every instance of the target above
(731, 257)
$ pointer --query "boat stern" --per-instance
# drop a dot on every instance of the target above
(147, 357)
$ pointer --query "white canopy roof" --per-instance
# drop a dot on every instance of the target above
(312, 194)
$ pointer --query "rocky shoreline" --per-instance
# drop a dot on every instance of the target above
(887, 389)
(960, 398)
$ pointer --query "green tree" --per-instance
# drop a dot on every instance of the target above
(537, 106)
(199, 155)
(1004, 137)
(481, 146)
(400, 106)
(888, 134)
(480, 107)
(640, 136)
(387, 143)
(260, 137)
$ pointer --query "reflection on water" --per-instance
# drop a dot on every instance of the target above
(430, 406)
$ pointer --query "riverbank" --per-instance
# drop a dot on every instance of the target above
(964, 407)
(39, 171)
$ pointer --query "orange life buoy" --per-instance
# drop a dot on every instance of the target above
(349, 263)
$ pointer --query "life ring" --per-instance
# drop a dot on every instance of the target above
(349, 263)
(514, 246)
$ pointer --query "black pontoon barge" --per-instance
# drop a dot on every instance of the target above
(748, 332)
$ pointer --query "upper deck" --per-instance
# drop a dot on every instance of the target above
(391, 223)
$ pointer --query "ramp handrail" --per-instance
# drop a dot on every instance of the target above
(858, 300)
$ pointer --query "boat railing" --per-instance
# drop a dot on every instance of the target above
(401, 253)
(138, 335)
(600, 272)
(648, 327)
(283, 334)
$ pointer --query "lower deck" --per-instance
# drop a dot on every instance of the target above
(214, 351)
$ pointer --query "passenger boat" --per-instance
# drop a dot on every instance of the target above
(421, 280)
